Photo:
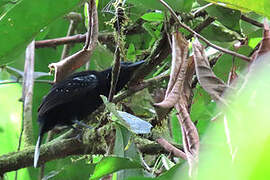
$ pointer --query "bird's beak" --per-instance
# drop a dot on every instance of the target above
(136, 64)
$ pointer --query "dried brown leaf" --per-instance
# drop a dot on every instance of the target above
(190, 136)
(179, 66)
(208, 80)
(232, 75)
(27, 94)
(69, 64)
(187, 93)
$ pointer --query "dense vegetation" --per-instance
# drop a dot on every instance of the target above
(203, 90)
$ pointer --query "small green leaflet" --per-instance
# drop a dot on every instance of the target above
(153, 16)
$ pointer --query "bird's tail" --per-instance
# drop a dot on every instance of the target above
(37, 149)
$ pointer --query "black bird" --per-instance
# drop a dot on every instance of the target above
(76, 97)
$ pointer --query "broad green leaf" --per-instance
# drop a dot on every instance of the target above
(153, 16)
(110, 165)
(172, 174)
(68, 168)
(25, 20)
(214, 32)
(248, 28)
(228, 17)
(101, 58)
(261, 7)
(125, 147)
(131, 122)
(10, 123)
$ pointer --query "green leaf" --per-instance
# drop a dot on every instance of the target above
(131, 52)
(25, 20)
(131, 122)
(215, 32)
(228, 17)
(125, 147)
(176, 129)
(110, 165)
(153, 16)
(171, 174)
(150, 28)
(10, 123)
(167, 163)
(261, 7)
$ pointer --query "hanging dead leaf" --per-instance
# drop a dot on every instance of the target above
(232, 75)
(206, 77)
(178, 70)
(187, 93)
(70, 63)
(190, 136)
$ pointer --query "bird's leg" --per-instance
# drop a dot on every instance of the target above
(81, 124)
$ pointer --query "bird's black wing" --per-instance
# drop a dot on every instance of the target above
(71, 88)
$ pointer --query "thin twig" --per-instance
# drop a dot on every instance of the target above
(105, 38)
(201, 9)
(20, 81)
(115, 73)
(74, 19)
(201, 26)
(79, 38)
(201, 37)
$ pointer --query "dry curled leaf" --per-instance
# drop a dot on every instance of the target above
(206, 77)
(70, 63)
(187, 93)
(190, 136)
(179, 66)
(232, 75)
